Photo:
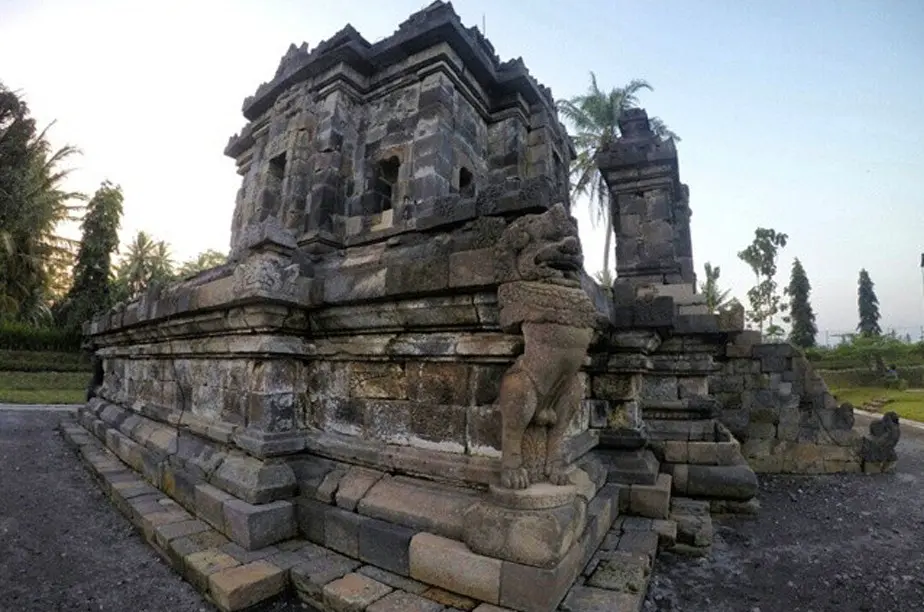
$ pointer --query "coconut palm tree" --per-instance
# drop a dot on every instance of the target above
(33, 256)
(161, 264)
(145, 262)
(594, 117)
(716, 299)
(206, 260)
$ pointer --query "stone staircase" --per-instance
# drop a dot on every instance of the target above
(611, 570)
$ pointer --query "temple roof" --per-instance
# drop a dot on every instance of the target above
(435, 24)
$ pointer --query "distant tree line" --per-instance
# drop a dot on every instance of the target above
(793, 305)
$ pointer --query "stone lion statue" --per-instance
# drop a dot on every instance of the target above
(538, 266)
(879, 445)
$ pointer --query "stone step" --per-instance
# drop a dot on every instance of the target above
(616, 578)
(651, 501)
(345, 568)
(630, 467)
(694, 526)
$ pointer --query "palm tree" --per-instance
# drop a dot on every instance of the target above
(206, 260)
(33, 256)
(594, 116)
(145, 262)
(716, 299)
(161, 263)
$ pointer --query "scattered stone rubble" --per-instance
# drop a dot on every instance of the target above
(403, 392)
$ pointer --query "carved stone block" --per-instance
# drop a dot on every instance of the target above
(539, 537)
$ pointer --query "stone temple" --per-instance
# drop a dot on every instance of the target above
(404, 393)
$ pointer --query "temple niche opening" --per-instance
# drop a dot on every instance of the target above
(386, 182)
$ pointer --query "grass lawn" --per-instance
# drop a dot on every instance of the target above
(907, 404)
(43, 387)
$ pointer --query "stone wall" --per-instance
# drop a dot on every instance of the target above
(781, 410)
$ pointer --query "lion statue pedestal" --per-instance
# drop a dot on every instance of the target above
(537, 510)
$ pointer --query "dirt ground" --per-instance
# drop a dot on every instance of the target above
(820, 544)
(63, 546)
(838, 543)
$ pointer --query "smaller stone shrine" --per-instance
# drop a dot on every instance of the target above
(403, 393)
(716, 402)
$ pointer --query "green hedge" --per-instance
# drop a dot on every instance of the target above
(43, 361)
(865, 352)
(864, 377)
(21, 337)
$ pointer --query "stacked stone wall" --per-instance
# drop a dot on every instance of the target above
(775, 403)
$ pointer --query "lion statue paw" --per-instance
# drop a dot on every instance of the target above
(559, 475)
(515, 478)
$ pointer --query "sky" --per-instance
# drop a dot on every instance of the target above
(805, 117)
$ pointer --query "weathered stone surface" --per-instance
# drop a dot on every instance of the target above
(341, 531)
(532, 537)
(311, 516)
(165, 534)
(310, 577)
(385, 545)
(418, 505)
(354, 485)
(353, 593)
(449, 564)
(405, 294)
(630, 466)
(590, 599)
(620, 574)
(237, 588)
(257, 526)
(453, 601)
(328, 487)
(210, 503)
(652, 501)
(399, 583)
(255, 481)
(736, 482)
(643, 543)
(182, 547)
(202, 564)
(404, 602)
(694, 523)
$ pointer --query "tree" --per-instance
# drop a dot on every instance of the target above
(206, 260)
(33, 256)
(868, 305)
(145, 263)
(161, 264)
(761, 256)
(90, 293)
(715, 298)
(801, 314)
(594, 117)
